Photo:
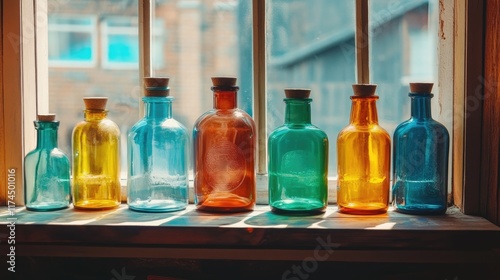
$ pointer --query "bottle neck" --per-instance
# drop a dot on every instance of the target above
(364, 110)
(46, 134)
(421, 106)
(298, 111)
(94, 115)
(158, 107)
(225, 99)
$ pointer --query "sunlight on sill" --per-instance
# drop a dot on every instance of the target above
(261, 217)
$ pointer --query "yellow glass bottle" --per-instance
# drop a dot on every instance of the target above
(96, 159)
(363, 151)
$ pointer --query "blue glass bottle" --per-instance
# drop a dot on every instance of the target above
(421, 147)
(46, 170)
(298, 160)
(157, 154)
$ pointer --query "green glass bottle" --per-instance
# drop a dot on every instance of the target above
(298, 160)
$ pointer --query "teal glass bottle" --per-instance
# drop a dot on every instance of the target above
(46, 170)
(157, 154)
(298, 160)
(421, 147)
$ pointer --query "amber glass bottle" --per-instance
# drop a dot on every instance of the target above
(96, 158)
(363, 150)
(224, 153)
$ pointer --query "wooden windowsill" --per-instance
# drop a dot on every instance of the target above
(256, 235)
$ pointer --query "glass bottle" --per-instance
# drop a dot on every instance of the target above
(224, 153)
(157, 154)
(421, 147)
(363, 150)
(96, 158)
(298, 160)
(46, 169)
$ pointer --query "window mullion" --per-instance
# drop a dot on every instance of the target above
(145, 38)
(259, 81)
(362, 42)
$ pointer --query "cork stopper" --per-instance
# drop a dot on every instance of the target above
(95, 103)
(421, 87)
(298, 93)
(224, 81)
(364, 89)
(46, 117)
(156, 86)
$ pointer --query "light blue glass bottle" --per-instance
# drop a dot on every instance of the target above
(157, 154)
(46, 170)
(421, 147)
(298, 160)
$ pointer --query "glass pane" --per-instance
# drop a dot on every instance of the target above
(202, 39)
(70, 46)
(403, 50)
(123, 48)
(69, 84)
(310, 44)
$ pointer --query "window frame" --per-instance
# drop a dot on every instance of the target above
(106, 31)
(466, 62)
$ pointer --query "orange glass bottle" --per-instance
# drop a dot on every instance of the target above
(224, 153)
(363, 150)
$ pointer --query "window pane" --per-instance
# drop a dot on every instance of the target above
(202, 39)
(310, 44)
(403, 50)
(69, 83)
(192, 41)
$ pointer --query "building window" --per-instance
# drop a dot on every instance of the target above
(120, 43)
(72, 41)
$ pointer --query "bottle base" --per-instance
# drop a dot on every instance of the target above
(363, 209)
(225, 203)
(421, 209)
(298, 207)
(45, 207)
(96, 204)
(287, 212)
(157, 206)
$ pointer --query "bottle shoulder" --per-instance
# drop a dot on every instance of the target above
(364, 130)
(298, 131)
(168, 131)
(54, 153)
(165, 124)
(224, 118)
(418, 126)
(102, 126)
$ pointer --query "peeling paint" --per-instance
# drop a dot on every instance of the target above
(441, 20)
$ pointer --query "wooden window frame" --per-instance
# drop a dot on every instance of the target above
(459, 239)
(462, 28)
